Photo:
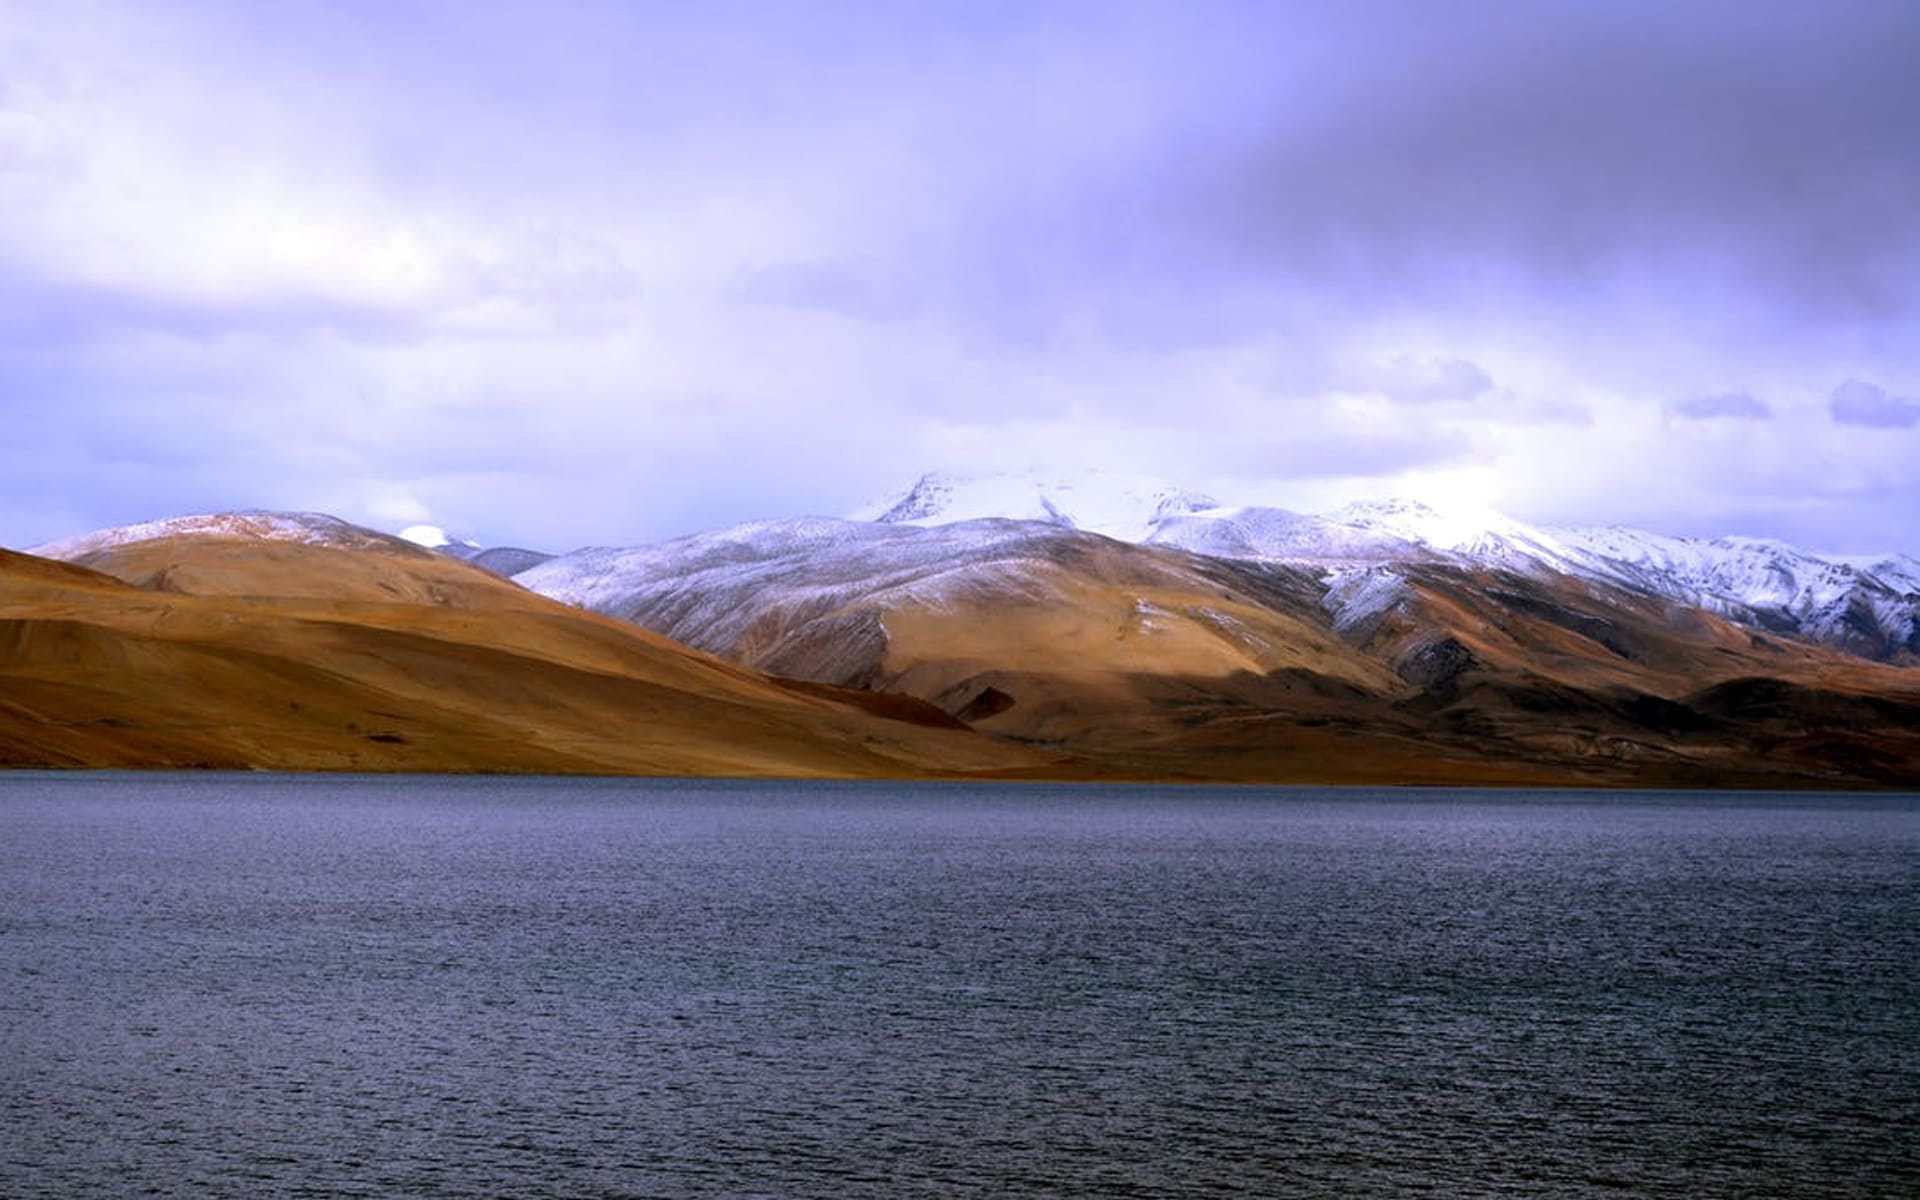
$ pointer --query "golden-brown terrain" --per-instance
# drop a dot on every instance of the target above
(1065, 656)
(1156, 662)
(243, 653)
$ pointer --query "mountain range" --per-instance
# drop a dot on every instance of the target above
(1869, 606)
(1086, 626)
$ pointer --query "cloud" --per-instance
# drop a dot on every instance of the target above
(1414, 379)
(1565, 146)
(839, 288)
(613, 272)
(1857, 402)
(1721, 406)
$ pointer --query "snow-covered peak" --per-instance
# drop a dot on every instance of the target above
(1122, 506)
(1900, 572)
(1747, 570)
(710, 589)
(1280, 535)
(433, 537)
(1476, 534)
(1867, 605)
(1395, 511)
(948, 528)
(315, 529)
(1455, 528)
(599, 576)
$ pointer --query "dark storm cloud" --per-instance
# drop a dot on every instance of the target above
(1723, 406)
(1479, 147)
(1857, 402)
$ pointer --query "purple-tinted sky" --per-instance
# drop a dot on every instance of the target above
(558, 273)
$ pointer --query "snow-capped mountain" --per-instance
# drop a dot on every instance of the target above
(687, 572)
(1385, 642)
(723, 591)
(1482, 536)
(1369, 531)
(313, 529)
(1897, 571)
(1280, 535)
(1126, 507)
(1869, 606)
(1139, 508)
(1872, 610)
(969, 614)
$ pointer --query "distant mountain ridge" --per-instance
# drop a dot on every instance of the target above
(1122, 506)
(1868, 607)
(1384, 642)
(304, 528)
(1255, 642)
(1865, 605)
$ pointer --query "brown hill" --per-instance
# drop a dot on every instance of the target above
(1622, 684)
(243, 653)
(1469, 678)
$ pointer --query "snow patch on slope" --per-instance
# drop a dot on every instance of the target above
(1122, 506)
(1358, 598)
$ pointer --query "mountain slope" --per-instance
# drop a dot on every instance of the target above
(274, 652)
(1869, 607)
(1871, 610)
(1388, 646)
(831, 599)
(1152, 660)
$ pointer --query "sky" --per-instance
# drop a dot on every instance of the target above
(555, 274)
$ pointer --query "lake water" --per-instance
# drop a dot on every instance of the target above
(312, 986)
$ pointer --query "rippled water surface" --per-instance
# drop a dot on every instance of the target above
(230, 986)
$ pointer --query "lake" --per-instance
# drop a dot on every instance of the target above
(262, 986)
